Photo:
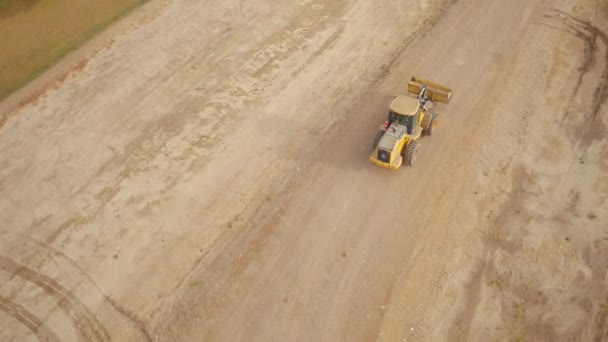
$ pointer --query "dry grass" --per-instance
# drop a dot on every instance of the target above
(36, 34)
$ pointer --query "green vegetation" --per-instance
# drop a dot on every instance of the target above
(37, 34)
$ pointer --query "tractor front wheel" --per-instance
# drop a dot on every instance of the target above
(411, 152)
(377, 139)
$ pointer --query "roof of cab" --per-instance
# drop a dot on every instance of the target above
(405, 105)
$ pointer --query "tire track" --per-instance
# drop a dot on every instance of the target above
(594, 39)
(590, 35)
(85, 322)
(136, 322)
(600, 95)
(32, 322)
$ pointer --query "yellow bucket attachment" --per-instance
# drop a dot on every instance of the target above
(434, 92)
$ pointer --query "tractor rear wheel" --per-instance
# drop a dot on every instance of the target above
(411, 152)
(432, 124)
(377, 139)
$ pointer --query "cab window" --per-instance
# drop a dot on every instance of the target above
(405, 120)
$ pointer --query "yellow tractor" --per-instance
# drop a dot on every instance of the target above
(409, 118)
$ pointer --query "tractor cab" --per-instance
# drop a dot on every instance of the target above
(396, 142)
(405, 111)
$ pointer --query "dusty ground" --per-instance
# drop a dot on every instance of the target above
(205, 177)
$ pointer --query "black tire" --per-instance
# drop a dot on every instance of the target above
(432, 124)
(377, 139)
(410, 152)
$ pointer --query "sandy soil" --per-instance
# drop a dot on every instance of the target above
(205, 177)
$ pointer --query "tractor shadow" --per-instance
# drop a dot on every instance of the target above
(340, 144)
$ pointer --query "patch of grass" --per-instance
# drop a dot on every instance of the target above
(604, 305)
(37, 34)
(591, 216)
(344, 255)
(520, 310)
(495, 283)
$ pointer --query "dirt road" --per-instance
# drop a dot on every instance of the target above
(205, 177)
